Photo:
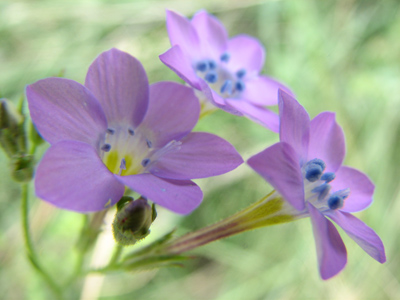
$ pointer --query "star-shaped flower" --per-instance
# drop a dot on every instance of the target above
(305, 167)
(224, 72)
(117, 131)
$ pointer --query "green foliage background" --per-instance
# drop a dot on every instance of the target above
(340, 56)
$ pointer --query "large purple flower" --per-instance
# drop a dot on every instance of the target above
(305, 167)
(117, 131)
(225, 72)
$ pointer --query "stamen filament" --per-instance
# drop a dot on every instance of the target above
(122, 166)
(227, 87)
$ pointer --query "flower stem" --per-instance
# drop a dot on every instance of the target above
(116, 255)
(270, 210)
(87, 238)
(31, 253)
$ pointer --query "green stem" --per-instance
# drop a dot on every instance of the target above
(31, 253)
(116, 255)
(88, 236)
(112, 265)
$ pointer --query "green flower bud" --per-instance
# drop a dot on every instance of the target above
(132, 220)
(12, 133)
(10, 118)
(22, 167)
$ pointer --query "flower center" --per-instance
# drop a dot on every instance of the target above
(125, 151)
(317, 189)
(219, 78)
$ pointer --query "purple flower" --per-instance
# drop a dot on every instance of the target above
(224, 71)
(117, 131)
(305, 167)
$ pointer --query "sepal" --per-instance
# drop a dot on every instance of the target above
(34, 135)
(157, 261)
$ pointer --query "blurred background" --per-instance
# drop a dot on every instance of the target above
(340, 56)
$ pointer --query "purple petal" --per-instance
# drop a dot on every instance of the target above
(173, 112)
(119, 82)
(72, 176)
(261, 115)
(263, 91)
(63, 109)
(331, 251)
(327, 141)
(180, 196)
(361, 188)
(294, 124)
(200, 155)
(246, 53)
(212, 34)
(181, 32)
(363, 235)
(279, 166)
(178, 62)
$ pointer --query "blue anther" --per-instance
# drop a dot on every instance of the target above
(317, 161)
(239, 86)
(211, 77)
(227, 87)
(123, 164)
(149, 144)
(145, 162)
(110, 131)
(225, 57)
(240, 74)
(202, 66)
(106, 147)
(322, 190)
(212, 64)
(131, 131)
(328, 176)
(335, 202)
(313, 172)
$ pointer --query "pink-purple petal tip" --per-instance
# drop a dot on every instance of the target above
(331, 251)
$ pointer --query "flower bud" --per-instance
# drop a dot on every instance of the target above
(9, 116)
(12, 134)
(22, 167)
(132, 220)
